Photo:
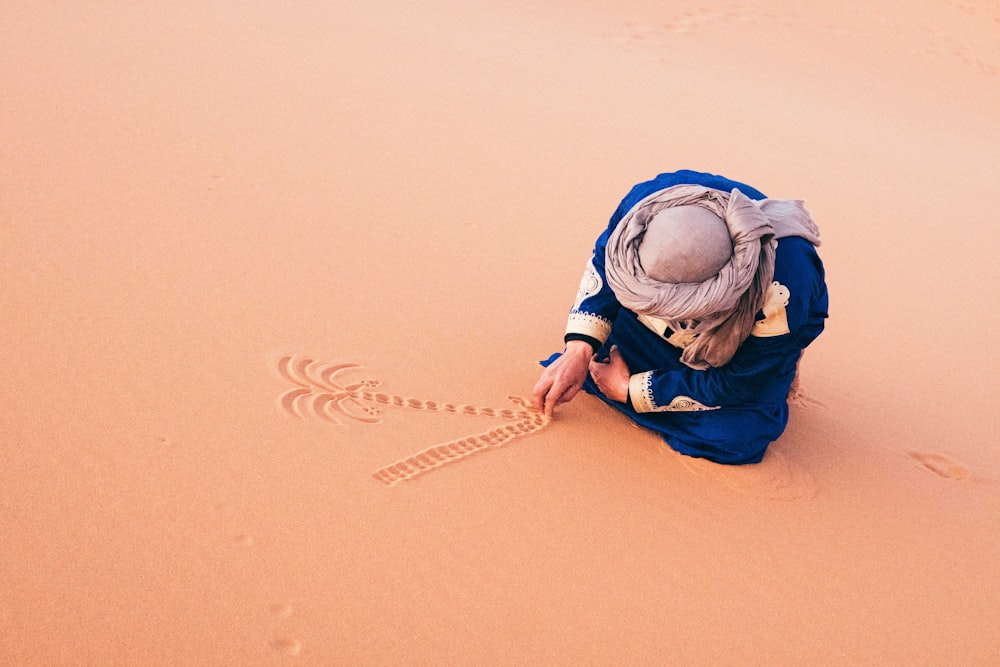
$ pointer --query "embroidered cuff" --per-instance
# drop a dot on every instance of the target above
(588, 324)
(640, 391)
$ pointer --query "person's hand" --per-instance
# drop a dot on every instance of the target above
(611, 376)
(564, 377)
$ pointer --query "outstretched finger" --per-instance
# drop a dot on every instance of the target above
(540, 390)
(552, 399)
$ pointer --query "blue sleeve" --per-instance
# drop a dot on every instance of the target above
(793, 315)
(596, 305)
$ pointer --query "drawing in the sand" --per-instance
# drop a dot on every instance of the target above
(319, 391)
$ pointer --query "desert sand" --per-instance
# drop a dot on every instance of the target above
(254, 254)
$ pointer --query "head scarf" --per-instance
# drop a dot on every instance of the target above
(719, 311)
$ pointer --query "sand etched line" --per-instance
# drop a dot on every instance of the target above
(798, 397)
(321, 391)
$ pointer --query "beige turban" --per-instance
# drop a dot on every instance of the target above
(685, 244)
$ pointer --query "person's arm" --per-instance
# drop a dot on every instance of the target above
(596, 305)
(587, 328)
(688, 390)
(792, 317)
(740, 381)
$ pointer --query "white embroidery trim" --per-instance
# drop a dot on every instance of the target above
(641, 393)
(686, 404)
(590, 284)
(775, 322)
(588, 324)
(679, 336)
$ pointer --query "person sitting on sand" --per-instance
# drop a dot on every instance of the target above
(693, 313)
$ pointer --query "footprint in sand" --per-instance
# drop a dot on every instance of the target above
(287, 646)
(243, 539)
(281, 609)
(774, 478)
(322, 390)
(945, 466)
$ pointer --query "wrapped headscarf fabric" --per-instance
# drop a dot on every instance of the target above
(719, 311)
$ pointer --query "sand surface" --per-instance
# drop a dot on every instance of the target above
(207, 213)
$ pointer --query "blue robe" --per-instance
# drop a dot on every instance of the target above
(728, 414)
